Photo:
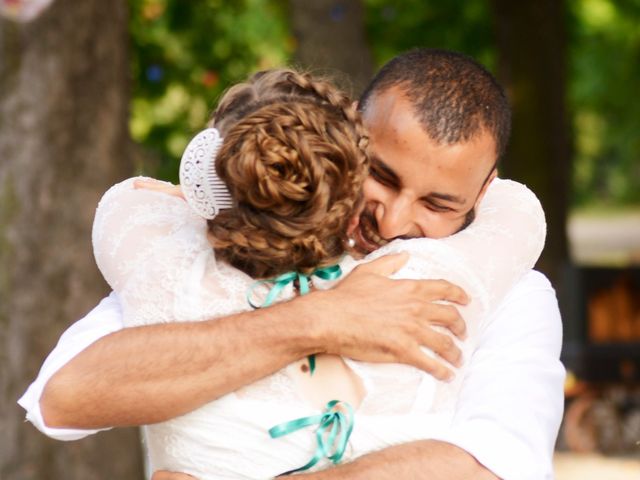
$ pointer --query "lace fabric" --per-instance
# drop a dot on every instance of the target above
(153, 251)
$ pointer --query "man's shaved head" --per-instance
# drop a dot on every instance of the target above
(453, 97)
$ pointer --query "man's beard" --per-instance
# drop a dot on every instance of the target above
(468, 219)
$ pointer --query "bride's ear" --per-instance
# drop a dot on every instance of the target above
(490, 178)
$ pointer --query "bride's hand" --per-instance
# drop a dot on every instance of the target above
(158, 186)
(163, 475)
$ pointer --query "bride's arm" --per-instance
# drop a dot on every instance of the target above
(136, 244)
(487, 258)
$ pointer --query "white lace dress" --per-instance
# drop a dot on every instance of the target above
(154, 253)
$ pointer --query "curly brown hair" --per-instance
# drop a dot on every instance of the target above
(294, 161)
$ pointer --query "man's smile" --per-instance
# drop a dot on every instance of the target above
(366, 234)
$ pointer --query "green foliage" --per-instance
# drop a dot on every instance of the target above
(462, 25)
(604, 56)
(605, 69)
(185, 53)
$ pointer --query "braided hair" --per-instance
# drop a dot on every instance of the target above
(294, 161)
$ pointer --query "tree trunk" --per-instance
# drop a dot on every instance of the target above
(531, 39)
(63, 140)
(331, 40)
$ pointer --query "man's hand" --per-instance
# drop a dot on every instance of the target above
(163, 475)
(377, 319)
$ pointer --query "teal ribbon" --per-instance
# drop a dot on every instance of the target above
(280, 282)
(332, 434)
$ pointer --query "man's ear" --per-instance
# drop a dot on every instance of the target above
(492, 175)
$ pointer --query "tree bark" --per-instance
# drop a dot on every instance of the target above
(532, 42)
(63, 141)
(331, 40)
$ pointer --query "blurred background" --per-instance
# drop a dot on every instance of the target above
(92, 92)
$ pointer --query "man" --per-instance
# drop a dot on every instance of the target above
(438, 123)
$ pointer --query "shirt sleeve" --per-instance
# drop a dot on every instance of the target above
(511, 403)
(101, 321)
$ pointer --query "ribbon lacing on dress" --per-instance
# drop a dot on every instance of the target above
(303, 281)
(335, 425)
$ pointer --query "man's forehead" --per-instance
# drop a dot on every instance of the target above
(450, 173)
(391, 106)
(418, 180)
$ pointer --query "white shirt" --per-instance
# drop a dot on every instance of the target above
(510, 406)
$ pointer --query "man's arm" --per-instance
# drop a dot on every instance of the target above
(101, 321)
(148, 374)
(425, 459)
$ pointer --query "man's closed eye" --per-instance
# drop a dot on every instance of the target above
(435, 207)
(381, 175)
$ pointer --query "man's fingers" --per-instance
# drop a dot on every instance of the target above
(163, 475)
(449, 317)
(431, 366)
(386, 265)
(443, 346)
(443, 290)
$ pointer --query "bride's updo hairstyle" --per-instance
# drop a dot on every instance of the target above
(294, 161)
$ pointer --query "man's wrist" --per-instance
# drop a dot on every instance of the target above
(306, 323)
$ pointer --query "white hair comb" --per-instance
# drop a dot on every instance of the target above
(204, 191)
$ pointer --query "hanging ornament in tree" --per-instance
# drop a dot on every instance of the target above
(23, 10)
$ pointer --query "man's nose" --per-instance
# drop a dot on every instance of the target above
(394, 217)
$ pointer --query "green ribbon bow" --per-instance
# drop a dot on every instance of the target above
(332, 434)
(326, 273)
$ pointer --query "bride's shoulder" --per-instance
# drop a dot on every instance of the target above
(125, 211)
(126, 200)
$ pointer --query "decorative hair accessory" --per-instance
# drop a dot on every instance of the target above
(204, 191)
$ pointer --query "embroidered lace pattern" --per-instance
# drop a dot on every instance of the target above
(153, 251)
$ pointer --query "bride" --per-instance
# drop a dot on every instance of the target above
(268, 221)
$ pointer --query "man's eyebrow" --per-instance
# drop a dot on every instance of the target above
(386, 170)
(443, 196)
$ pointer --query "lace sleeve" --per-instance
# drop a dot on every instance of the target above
(141, 248)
